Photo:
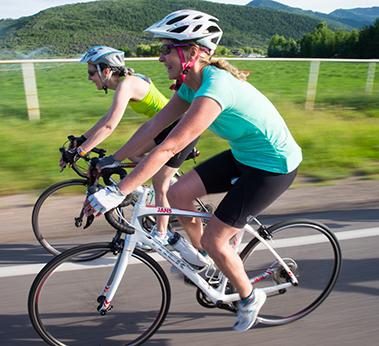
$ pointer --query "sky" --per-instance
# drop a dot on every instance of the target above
(20, 8)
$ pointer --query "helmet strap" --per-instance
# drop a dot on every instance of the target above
(104, 79)
(186, 66)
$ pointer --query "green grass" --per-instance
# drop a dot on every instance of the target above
(339, 138)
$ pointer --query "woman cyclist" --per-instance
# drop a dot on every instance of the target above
(107, 70)
(263, 155)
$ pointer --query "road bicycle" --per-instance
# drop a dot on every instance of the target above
(123, 297)
(57, 218)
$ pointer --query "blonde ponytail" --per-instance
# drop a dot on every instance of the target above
(224, 65)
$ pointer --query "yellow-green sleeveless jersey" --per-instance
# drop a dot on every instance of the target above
(152, 103)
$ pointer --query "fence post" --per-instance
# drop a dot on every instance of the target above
(30, 87)
(312, 85)
(370, 78)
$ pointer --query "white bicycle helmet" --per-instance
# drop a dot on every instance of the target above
(188, 25)
(106, 55)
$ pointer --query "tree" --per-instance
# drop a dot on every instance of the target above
(323, 43)
(222, 51)
(143, 50)
(369, 41)
(155, 49)
(126, 51)
(275, 47)
(279, 46)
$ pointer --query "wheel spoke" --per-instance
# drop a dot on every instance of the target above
(312, 254)
(63, 300)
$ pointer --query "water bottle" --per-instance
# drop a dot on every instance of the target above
(187, 251)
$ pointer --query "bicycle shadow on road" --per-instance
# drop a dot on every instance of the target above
(17, 330)
(14, 254)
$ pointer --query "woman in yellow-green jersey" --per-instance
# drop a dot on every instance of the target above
(107, 70)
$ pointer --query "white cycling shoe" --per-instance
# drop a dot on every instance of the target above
(157, 235)
(248, 312)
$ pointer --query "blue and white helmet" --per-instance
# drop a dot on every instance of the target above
(106, 55)
(189, 25)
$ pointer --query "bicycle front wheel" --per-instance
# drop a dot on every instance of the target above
(313, 254)
(56, 218)
(63, 299)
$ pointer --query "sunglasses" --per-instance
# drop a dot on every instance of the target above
(166, 48)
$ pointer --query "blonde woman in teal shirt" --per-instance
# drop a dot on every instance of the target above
(263, 155)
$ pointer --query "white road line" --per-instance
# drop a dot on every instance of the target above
(33, 269)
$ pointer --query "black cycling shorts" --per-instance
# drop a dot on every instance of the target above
(177, 160)
(249, 195)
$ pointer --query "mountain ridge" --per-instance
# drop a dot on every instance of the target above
(70, 29)
(344, 18)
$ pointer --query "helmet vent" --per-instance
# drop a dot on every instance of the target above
(198, 17)
(197, 27)
(213, 29)
(175, 20)
(180, 29)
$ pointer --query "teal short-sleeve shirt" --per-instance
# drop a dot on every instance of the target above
(254, 129)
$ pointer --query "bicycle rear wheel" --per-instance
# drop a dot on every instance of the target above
(63, 302)
(312, 252)
(56, 218)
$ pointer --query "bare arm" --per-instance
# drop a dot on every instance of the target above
(199, 117)
(137, 144)
(107, 124)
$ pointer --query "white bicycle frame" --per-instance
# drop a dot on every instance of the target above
(215, 294)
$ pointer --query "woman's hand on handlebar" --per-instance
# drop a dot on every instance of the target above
(70, 155)
(103, 200)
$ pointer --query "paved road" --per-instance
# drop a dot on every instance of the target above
(348, 317)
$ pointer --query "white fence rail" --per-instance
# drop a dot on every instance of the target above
(31, 93)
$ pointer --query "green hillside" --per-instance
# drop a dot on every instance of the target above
(70, 29)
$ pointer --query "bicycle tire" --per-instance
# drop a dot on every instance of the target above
(85, 325)
(308, 261)
(53, 220)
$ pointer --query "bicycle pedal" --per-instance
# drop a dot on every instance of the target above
(78, 222)
(225, 306)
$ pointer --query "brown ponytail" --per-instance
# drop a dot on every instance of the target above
(129, 71)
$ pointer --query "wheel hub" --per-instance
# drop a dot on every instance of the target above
(279, 274)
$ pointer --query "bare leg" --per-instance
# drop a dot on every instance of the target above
(161, 183)
(181, 195)
(215, 241)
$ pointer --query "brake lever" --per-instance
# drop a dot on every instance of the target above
(89, 221)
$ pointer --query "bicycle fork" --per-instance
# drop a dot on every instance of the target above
(106, 296)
